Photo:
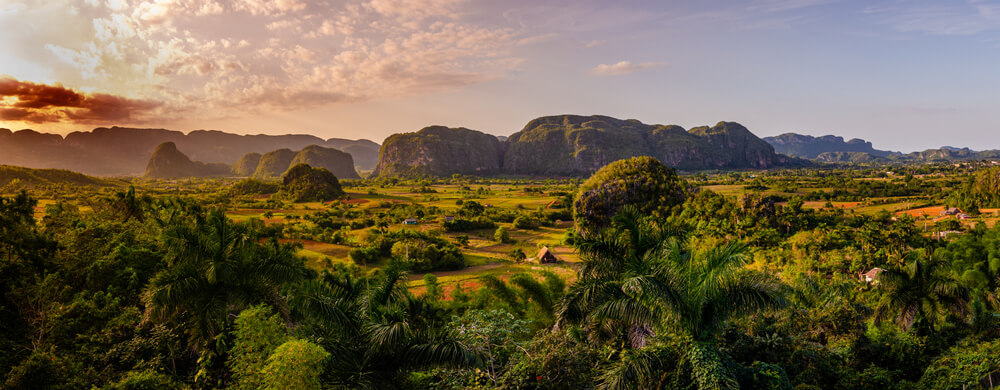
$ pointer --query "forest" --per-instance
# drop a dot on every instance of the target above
(858, 277)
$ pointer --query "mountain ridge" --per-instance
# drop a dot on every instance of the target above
(574, 145)
(810, 147)
(119, 151)
(833, 149)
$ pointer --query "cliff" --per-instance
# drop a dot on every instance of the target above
(337, 162)
(167, 162)
(440, 151)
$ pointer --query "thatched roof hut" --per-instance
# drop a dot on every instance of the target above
(546, 256)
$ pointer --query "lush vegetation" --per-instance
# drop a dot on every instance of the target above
(303, 183)
(712, 280)
(643, 182)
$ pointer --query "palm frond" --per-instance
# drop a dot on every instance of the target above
(534, 290)
(445, 351)
(636, 371)
(625, 310)
(388, 334)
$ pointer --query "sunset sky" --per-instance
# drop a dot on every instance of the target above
(906, 75)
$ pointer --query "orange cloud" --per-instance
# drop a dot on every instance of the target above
(39, 103)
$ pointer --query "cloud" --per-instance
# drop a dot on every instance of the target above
(209, 59)
(624, 67)
(415, 9)
(770, 6)
(269, 7)
(968, 18)
(40, 103)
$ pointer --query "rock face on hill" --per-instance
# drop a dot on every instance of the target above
(950, 154)
(167, 162)
(341, 164)
(833, 149)
(579, 145)
(573, 145)
(364, 152)
(735, 146)
(125, 151)
(440, 151)
(247, 164)
(846, 157)
(806, 146)
(274, 163)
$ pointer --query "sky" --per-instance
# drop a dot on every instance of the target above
(905, 75)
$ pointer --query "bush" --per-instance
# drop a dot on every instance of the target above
(144, 380)
(258, 332)
(517, 254)
(296, 364)
(423, 254)
(465, 224)
(526, 222)
(471, 209)
(363, 256)
(253, 187)
(501, 235)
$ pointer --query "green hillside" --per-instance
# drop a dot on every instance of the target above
(14, 178)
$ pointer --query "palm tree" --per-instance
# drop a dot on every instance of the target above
(612, 256)
(827, 307)
(636, 280)
(375, 329)
(215, 268)
(919, 291)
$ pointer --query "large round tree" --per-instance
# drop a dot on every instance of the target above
(653, 188)
(302, 183)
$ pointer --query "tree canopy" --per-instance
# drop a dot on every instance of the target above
(640, 181)
(303, 183)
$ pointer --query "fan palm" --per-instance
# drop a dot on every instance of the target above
(921, 290)
(637, 279)
(216, 267)
(378, 328)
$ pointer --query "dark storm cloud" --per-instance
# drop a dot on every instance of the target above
(40, 103)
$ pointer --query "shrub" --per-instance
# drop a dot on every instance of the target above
(467, 224)
(501, 235)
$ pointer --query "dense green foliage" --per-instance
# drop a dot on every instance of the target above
(418, 251)
(981, 190)
(254, 187)
(641, 181)
(303, 183)
(14, 179)
(751, 281)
